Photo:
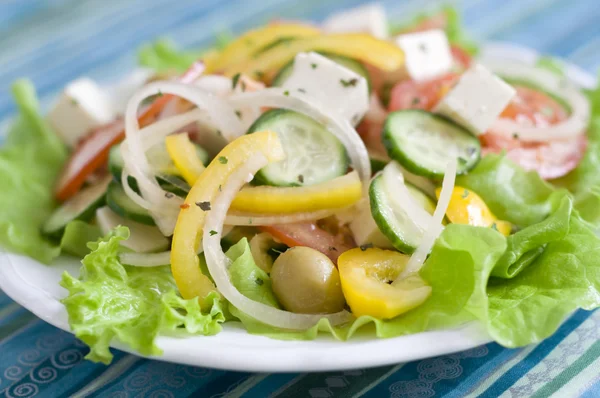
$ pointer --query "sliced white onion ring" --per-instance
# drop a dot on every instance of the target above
(275, 97)
(575, 125)
(217, 261)
(435, 226)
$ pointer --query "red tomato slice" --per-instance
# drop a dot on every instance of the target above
(551, 159)
(310, 235)
(92, 152)
(461, 57)
(421, 95)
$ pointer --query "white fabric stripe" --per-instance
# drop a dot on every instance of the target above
(580, 383)
(246, 385)
(379, 380)
(112, 372)
(562, 356)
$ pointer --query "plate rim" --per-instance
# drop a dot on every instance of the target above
(222, 352)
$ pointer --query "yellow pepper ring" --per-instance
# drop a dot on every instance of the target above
(244, 47)
(337, 193)
(183, 154)
(187, 236)
(363, 47)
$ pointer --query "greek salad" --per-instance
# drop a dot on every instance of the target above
(309, 179)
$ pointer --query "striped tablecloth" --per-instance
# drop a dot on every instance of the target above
(54, 41)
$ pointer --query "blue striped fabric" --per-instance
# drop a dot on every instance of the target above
(54, 41)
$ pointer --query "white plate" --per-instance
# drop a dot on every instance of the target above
(35, 286)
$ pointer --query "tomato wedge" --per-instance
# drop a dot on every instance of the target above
(550, 159)
(310, 235)
(425, 95)
(92, 151)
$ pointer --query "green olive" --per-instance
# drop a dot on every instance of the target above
(305, 281)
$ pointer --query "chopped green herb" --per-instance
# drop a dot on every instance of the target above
(349, 83)
(465, 194)
(235, 80)
(259, 74)
(219, 133)
(494, 227)
(159, 94)
(314, 66)
(366, 246)
(301, 178)
(204, 206)
(238, 113)
(168, 195)
(416, 101)
(249, 221)
(243, 86)
(515, 136)
(223, 160)
(74, 102)
(220, 188)
(332, 249)
(302, 90)
(286, 93)
(212, 232)
(259, 281)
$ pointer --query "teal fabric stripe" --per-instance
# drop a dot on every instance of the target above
(222, 384)
(514, 374)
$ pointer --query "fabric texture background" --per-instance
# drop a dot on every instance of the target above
(55, 41)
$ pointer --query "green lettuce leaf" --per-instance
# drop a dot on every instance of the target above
(109, 300)
(527, 244)
(164, 56)
(512, 194)
(76, 237)
(531, 306)
(30, 161)
(551, 64)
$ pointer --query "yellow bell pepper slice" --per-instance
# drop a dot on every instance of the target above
(187, 236)
(466, 207)
(366, 277)
(337, 193)
(183, 154)
(244, 47)
(379, 53)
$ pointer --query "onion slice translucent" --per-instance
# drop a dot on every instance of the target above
(401, 198)
(575, 125)
(277, 98)
(434, 227)
(218, 263)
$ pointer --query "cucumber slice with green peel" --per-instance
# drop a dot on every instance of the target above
(81, 207)
(118, 201)
(349, 63)
(313, 153)
(173, 184)
(395, 222)
(424, 143)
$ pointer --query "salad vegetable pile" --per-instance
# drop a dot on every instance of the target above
(305, 179)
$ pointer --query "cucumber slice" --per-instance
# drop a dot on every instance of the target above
(173, 184)
(394, 222)
(120, 203)
(313, 154)
(349, 63)
(159, 159)
(81, 207)
(424, 143)
(142, 238)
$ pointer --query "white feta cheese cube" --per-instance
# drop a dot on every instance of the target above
(427, 54)
(330, 84)
(477, 99)
(82, 106)
(369, 18)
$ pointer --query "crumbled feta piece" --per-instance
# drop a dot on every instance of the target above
(82, 106)
(369, 18)
(477, 99)
(331, 84)
(427, 54)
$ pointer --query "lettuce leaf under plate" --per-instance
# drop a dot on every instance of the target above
(134, 305)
